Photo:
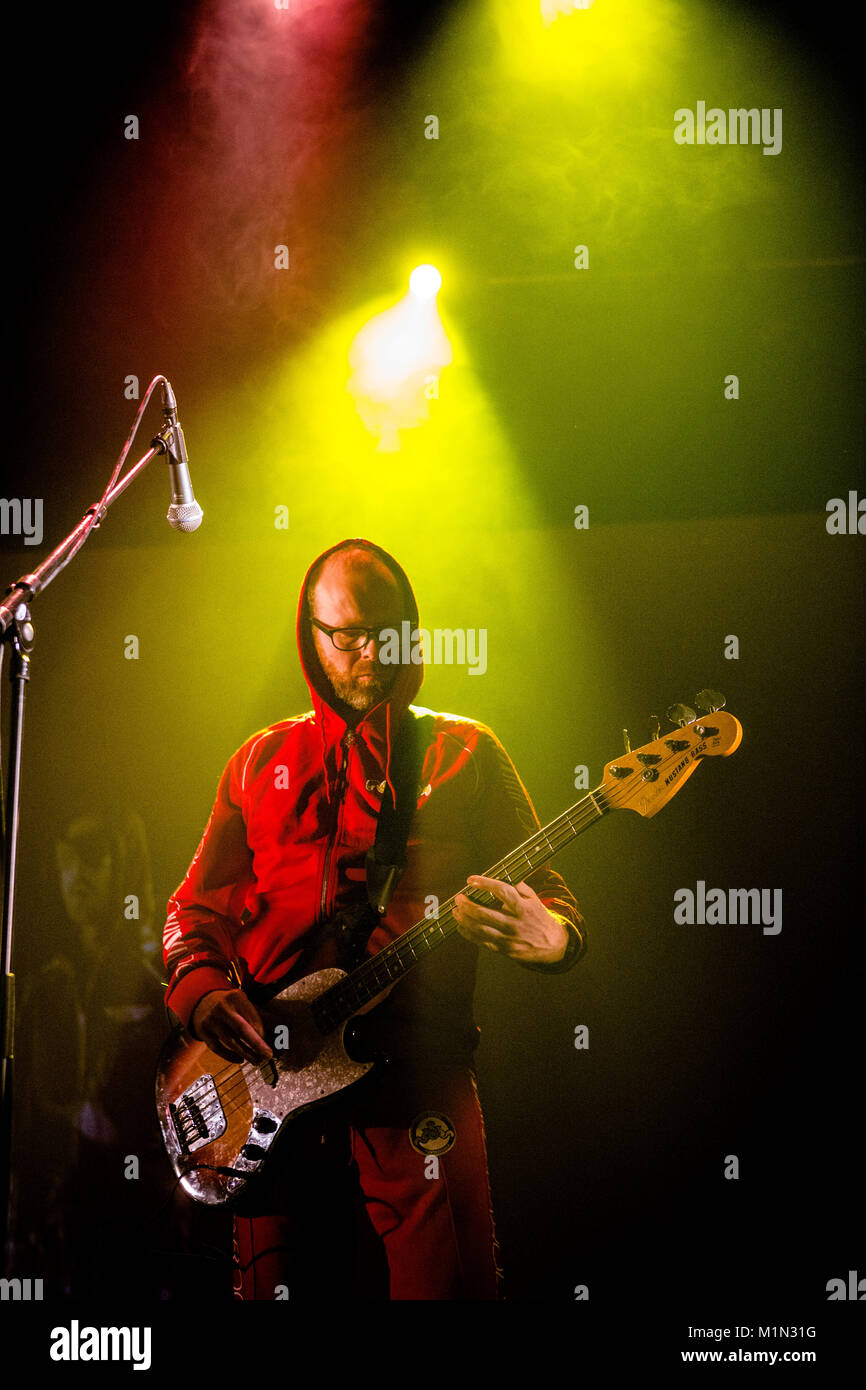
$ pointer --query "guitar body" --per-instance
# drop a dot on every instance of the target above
(219, 1119)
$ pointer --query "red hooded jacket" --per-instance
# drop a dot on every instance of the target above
(295, 813)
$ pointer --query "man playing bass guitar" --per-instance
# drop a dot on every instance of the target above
(281, 884)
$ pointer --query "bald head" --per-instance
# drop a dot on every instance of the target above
(352, 583)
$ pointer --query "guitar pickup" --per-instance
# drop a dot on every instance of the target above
(198, 1116)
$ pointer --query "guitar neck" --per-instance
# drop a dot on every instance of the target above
(387, 966)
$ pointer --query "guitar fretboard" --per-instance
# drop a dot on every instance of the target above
(375, 973)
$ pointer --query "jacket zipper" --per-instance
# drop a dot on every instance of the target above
(339, 790)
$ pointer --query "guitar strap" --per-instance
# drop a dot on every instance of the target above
(386, 860)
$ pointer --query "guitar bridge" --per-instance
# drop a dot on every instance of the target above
(198, 1116)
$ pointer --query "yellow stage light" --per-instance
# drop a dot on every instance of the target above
(396, 359)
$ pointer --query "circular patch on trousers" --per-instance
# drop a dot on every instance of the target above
(432, 1133)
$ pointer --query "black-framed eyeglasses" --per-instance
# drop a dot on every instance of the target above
(349, 639)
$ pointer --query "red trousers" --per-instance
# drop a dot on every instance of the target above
(349, 1209)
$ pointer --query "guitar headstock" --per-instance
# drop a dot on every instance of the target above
(645, 779)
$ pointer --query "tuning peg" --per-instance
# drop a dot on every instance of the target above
(655, 727)
(709, 701)
(625, 740)
(680, 714)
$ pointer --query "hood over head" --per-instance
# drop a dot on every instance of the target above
(385, 716)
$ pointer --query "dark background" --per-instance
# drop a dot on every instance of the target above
(607, 1164)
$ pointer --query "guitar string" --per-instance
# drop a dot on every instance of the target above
(551, 838)
(564, 834)
(230, 1082)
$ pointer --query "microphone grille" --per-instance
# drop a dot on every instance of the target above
(184, 516)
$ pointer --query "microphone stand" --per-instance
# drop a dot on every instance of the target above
(16, 629)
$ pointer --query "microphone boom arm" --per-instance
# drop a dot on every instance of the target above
(29, 585)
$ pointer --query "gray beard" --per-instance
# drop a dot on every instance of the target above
(359, 697)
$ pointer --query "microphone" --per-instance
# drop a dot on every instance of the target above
(184, 514)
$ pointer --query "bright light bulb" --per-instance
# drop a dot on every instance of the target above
(425, 282)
